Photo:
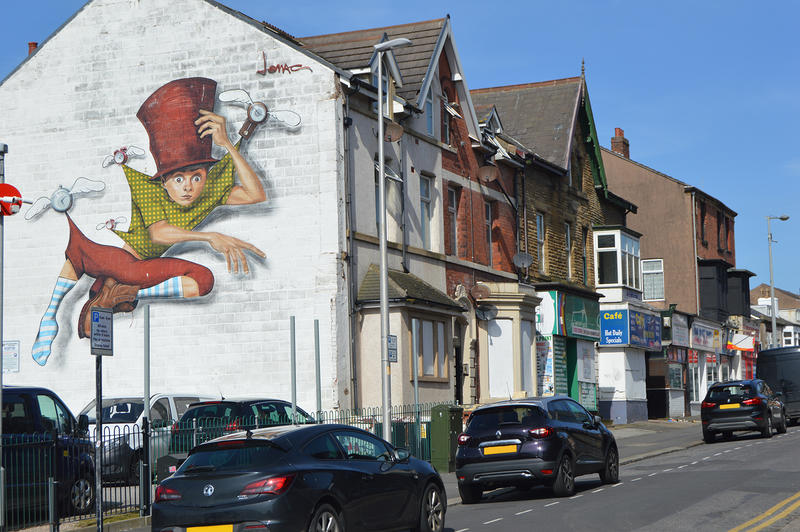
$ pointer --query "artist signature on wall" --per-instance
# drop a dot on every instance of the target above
(279, 68)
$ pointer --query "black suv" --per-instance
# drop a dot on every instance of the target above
(742, 405)
(42, 439)
(206, 420)
(548, 440)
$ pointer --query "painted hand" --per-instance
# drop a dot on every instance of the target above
(214, 125)
(233, 249)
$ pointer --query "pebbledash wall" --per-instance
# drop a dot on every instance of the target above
(74, 101)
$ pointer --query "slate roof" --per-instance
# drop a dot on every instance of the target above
(402, 286)
(353, 49)
(539, 115)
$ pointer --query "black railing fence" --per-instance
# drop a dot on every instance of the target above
(50, 478)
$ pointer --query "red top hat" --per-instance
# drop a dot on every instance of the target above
(168, 115)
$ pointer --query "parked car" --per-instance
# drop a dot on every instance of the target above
(42, 439)
(206, 420)
(540, 440)
(304, 477)
(741, 406)
(122, 430)
(780, 369)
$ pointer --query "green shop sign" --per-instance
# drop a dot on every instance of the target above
(568, 315)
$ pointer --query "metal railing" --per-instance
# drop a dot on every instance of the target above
(50, 477)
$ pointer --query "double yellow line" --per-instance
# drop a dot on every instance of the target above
(767, 520)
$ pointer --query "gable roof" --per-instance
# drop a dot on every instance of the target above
(541, 115)
(353, 50)
(264, 26)
(785, 298)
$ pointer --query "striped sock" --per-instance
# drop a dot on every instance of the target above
(48, 327)
(171, 288)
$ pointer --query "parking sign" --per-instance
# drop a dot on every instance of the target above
(102, 338)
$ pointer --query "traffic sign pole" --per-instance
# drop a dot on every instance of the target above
(3, 151)
(102, 344)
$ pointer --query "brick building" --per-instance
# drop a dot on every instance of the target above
(689, 267)
(564, 197)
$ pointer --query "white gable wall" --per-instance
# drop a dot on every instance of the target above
(74, 102)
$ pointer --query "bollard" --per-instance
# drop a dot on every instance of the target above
(52, 503)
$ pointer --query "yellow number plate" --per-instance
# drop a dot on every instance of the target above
(727, 407)
(216, 528)
(500, 449)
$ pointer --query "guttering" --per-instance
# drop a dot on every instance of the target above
(696, 271)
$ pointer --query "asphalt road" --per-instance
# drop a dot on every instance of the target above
(704, 488)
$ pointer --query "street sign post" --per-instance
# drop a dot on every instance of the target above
(102, 342)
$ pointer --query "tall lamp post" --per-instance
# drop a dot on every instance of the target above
(773, 306)
(386, 380)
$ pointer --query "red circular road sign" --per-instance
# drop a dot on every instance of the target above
(10, 199)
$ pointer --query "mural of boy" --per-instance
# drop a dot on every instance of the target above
(165, 208)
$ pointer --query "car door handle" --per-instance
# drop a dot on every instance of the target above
(367, 476)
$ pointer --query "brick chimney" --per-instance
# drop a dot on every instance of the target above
(32, 46)
(620, 144)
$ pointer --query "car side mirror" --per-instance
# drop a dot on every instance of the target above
(401, 455)
(83, 424)
(598, 421)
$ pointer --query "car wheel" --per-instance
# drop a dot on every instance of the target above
(564, 484)
(766, 432)
(469, 494)
(709, 437)
(133, 469)
(80, 496)
(610, 472)
(431, 514)
(782, 427)
(326, 519)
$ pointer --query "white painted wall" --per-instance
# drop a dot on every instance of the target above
(75, 101)
(501, 363)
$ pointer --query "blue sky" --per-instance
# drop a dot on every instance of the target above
(705, 91)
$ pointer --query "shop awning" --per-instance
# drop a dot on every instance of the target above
(741, 342)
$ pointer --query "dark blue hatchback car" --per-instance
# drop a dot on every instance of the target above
(540, 440)
(42, 439)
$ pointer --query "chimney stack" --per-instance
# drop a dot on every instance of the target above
(32, 46)
(620, 144)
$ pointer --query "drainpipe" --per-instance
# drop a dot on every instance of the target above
(694, 242)
(352, 264)
(404, 241)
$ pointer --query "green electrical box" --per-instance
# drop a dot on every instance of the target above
(446, 425)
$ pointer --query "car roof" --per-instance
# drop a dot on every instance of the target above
(285, 436)
(735, 383)
(541, 402)
(236, 401)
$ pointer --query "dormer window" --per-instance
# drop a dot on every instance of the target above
(617, 259)
(429, 112)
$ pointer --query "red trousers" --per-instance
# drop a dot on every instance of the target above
(101, 261)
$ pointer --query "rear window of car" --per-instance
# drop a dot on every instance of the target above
(218, 410)
(230, 456)
(492, 418)
(733, 391)
(119, 410)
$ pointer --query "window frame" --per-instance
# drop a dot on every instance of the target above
(627, 249)
(425, 211)
(441, 355)
(429, 117)
(541, 234)
(452, 213)
(652, 272)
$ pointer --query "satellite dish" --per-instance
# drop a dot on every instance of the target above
(392, 131)
(485, 312)
(488, 173)
(522, 260)
(480, 291)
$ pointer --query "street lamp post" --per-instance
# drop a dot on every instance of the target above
(386, 380)
(774, 340)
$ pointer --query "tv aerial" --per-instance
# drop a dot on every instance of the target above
(485, 312)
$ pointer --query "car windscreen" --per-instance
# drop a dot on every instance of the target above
(735, 392)
(231, 456)
(124, 410)
(493, 418)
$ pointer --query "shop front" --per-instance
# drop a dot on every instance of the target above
(742, 343)
(703, 363)
(627, 333)
(567, 327)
